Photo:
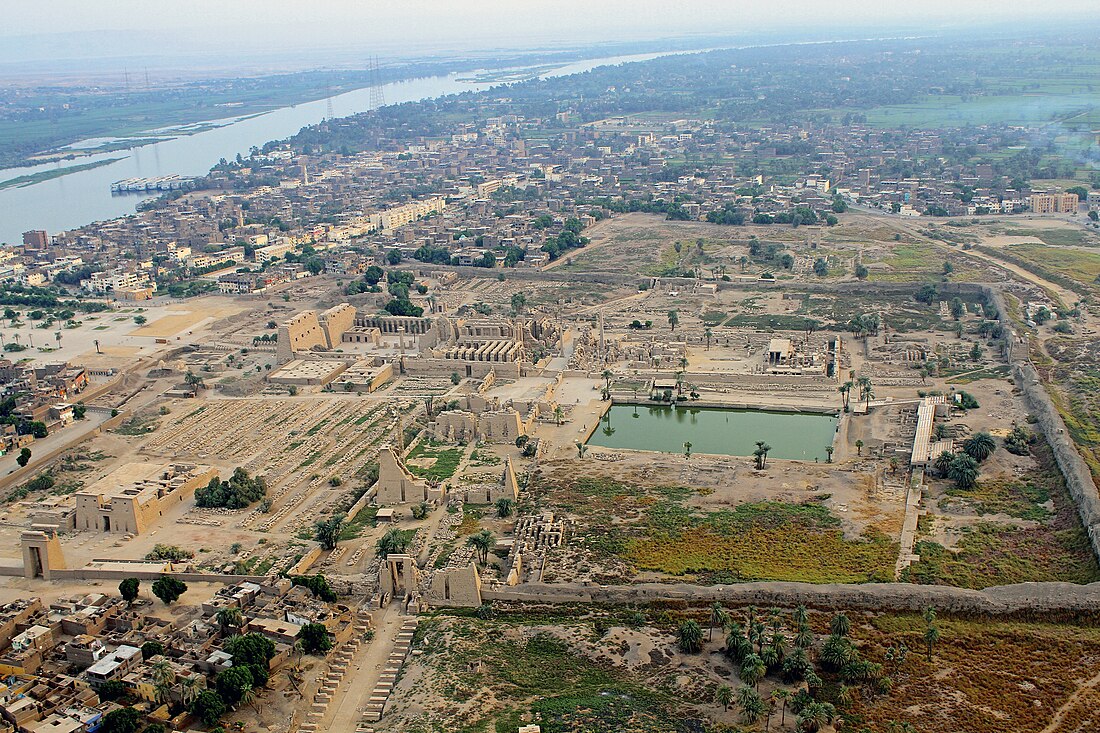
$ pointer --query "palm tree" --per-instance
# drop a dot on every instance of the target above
(189, 689)
(770, 656)
(248, 696)
(963, 470)
(718, 617)
(744, 261)
(57, 336)
(815, 716)
(845, 392)
(761, 453)
(737, 646)
(687, 449)
(943, 462)
(753, 670)
(836, 652)
(708, 334)
(859, 447)
(724, 696)
(840, 625)
(607, 375)
(782, 696)
(673, 319)
(804, 637)
(481, 542)
(980, 446)
(752, 707)
(327, 531)
(393, 542)
(229, 618)
(829, 453)
(299, 649)
(932, 633)
(866, 391)
(163, 676)
(581, 449)
(505, 506)
(690, 637)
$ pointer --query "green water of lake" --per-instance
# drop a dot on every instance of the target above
(793, 436)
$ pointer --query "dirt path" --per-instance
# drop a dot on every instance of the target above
(592, 245)
(345, 713)
(1061, 712)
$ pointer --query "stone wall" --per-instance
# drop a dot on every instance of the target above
(1047, 598)
(1078, 477)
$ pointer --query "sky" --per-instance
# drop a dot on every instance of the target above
(98, 28)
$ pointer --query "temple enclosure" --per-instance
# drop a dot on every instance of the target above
(570, 497)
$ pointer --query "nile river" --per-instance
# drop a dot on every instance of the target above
(83, 197)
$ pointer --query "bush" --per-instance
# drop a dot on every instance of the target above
(238, 492)
(317, 585)
(170, 553)
(151, 649)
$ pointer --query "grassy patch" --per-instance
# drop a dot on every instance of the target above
(769, 322)
(141, 425)
(366, 517)
(544, 677)
(446, 460)
(1053, 237)
(765, 541)
(1023, 499)
(982, 674)
(654, 529)
(994, 372)
(1057, 549)
(471, 519)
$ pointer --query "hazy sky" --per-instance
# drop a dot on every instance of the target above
(468, 24)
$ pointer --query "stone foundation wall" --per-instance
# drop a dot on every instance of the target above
(1000, 600)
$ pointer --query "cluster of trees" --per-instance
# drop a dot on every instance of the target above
(768, 645)
(964, 467)
(369, 284)
(796, 217)
(172, 553)
(728, 215)
(238, 492)
(8, 416)
(318, 586)
(400, 282)
(569, 238)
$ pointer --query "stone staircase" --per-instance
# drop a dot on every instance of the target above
(376, 705)
(339, 661)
